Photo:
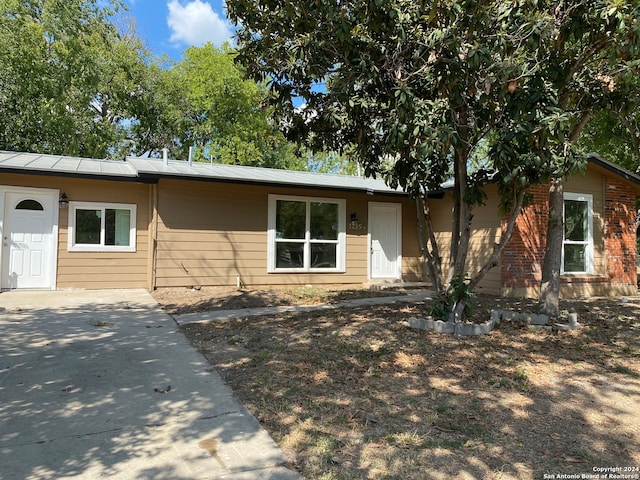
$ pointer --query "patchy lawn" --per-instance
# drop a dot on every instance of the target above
(356, 394)
(177, 301)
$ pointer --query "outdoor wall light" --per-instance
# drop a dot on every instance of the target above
(354, 217)
(63, 201)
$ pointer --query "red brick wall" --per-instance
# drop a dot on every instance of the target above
(521, 259)
(620, 233)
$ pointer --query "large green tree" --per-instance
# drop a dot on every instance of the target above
(615, 134)
(418, 89)
(77, 80)
(69, 77)
(591, 60)
(207, 104)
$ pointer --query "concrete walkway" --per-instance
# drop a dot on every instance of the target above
(101, 384)
(212, 315)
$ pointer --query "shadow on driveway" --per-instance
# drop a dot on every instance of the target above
(102, 384)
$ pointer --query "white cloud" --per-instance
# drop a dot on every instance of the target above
(196, 23)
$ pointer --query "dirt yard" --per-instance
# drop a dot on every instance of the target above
(356, 394)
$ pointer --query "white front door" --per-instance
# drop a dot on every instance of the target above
(385, 255)
(29, 231)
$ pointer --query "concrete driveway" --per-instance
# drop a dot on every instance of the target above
(101, 384)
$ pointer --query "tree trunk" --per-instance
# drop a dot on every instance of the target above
(457, 312)
(494, 260)
(457, 290)
(549, 300)
(430, 251)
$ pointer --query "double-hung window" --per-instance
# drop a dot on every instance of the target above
(306, 234)
(98, 227)
(577, 247)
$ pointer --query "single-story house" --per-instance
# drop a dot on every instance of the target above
(70, 222)
(85, 223)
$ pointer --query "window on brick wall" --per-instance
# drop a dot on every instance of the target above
(577, 247)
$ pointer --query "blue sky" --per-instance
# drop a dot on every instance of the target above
(170, 26)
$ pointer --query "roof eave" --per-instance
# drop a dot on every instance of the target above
(70, 174)
(613, 168)
(185, 176)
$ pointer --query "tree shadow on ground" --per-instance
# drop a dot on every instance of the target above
(182, 301)
(357, 394)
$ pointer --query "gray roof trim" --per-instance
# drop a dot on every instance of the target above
(151, 169)
(255, 175)
(626, 174)
(20, 162)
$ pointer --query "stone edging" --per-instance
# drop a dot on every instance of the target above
(533, 320)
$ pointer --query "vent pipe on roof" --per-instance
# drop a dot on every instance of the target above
(190, 155)
(165, 156)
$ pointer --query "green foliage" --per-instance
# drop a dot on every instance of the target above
(418, 91)
(331, 162)
(73, 82)
(615, 135)
(68, 77)
(457, 291)
(205, 102)
(410, 86)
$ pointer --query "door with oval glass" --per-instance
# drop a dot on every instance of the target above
(28, 239)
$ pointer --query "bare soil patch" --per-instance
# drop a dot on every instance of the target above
(177, 301)
(354, 393)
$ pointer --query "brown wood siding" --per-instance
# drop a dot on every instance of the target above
(412, 268)
(211, 234)
(96, 270)
(486, 232)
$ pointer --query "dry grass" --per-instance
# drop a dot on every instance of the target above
(177, 301)
(356, 394)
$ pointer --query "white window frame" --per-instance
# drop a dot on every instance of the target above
(272, 240)
(588, 199)
(101, 247)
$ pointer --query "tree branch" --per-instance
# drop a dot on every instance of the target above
(633, 132)
(432, 259)
(579, 127)
(497, 250)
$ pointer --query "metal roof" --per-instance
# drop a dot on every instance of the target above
(150, 168)
(61, 164)
(256, 175)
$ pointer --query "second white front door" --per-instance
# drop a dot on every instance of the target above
(385, 255)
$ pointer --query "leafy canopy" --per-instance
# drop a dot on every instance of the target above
(77, 80)
(208, 104)
(62, 64)
(419, 90)
(418, 85)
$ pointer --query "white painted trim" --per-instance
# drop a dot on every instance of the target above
(341, 241)
(588, 198)
(398, 206)
(53, 195)
(72, 247)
